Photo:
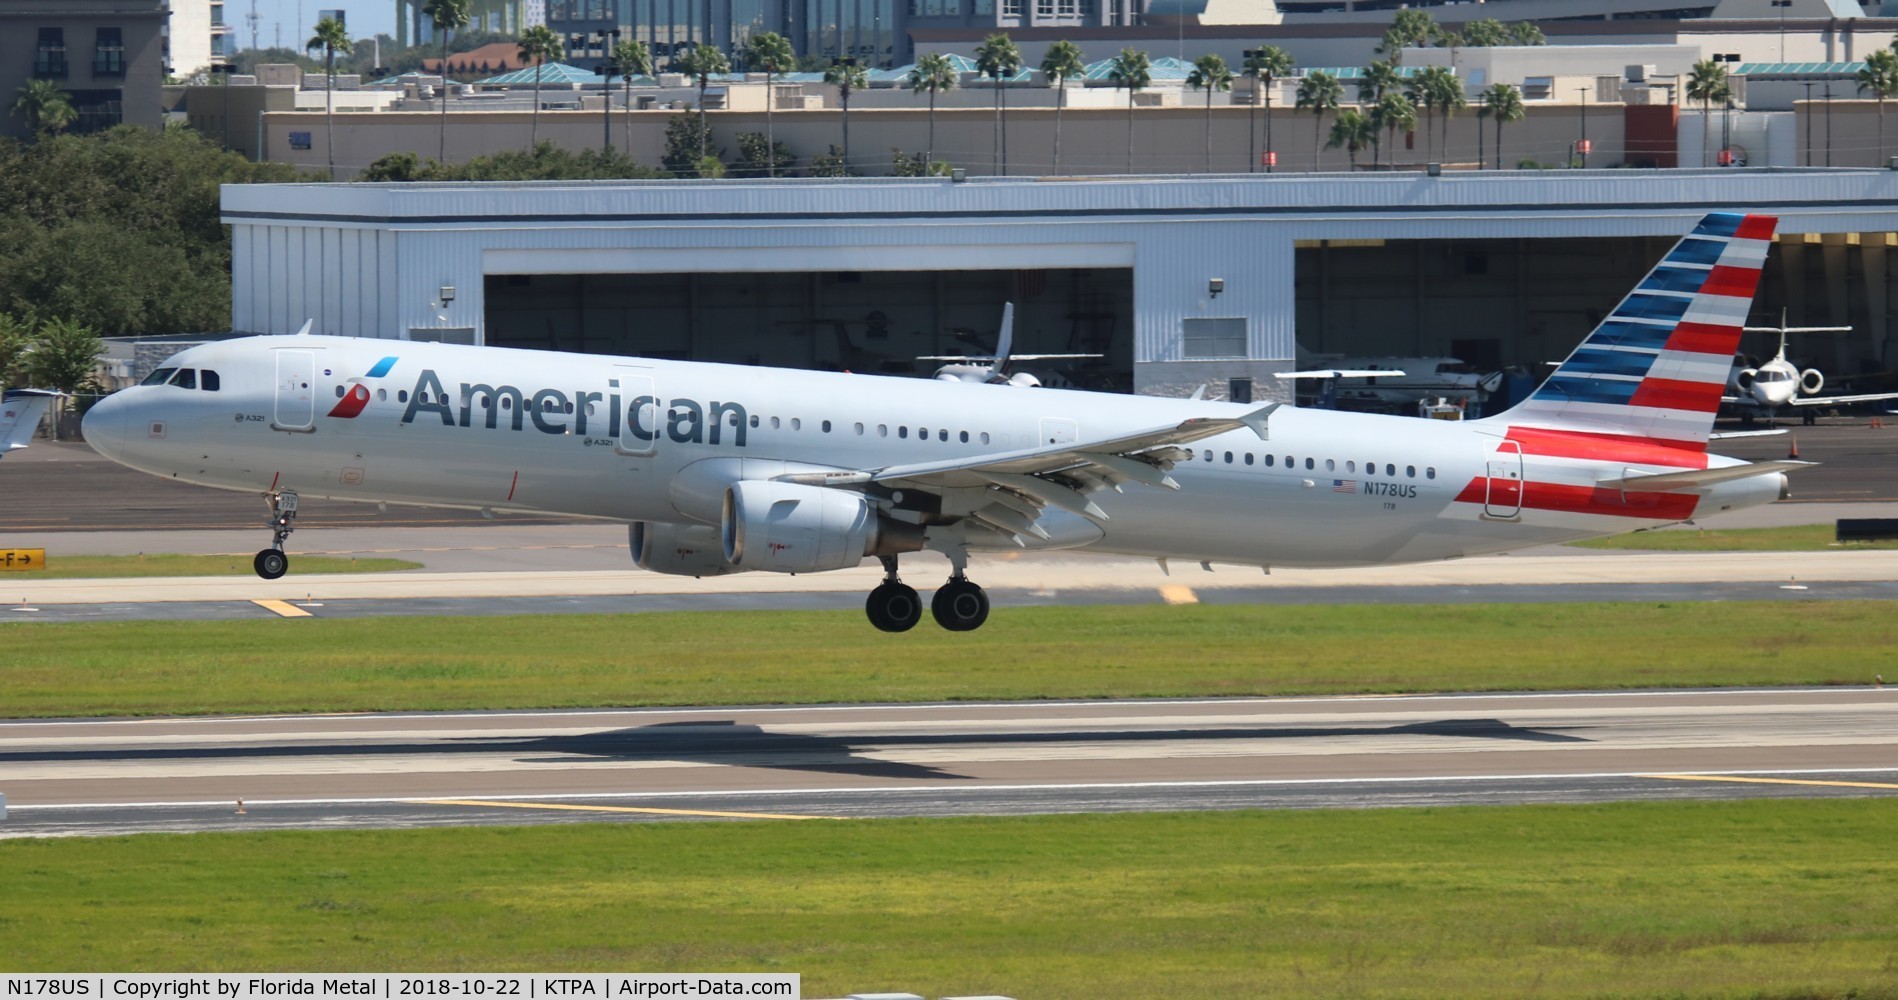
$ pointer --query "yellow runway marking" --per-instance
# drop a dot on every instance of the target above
(1770, 781)
(1173, 593)
(616, 809)
(284, 608)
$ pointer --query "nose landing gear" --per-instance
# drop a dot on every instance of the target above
(271, 563)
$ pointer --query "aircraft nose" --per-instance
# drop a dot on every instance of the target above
(104, 426)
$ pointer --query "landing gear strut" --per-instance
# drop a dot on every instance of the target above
(894, 605)
(271, 563)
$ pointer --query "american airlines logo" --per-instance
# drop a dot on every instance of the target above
(357, 396)
(554, 411)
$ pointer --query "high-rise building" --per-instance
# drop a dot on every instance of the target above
(197, 37)
(107, 55)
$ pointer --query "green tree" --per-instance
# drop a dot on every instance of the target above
(1393, 111)
(1486, 33)
(1880, 76)
(1707, 83)
(1352, 130)
(1503, 102)
(685, 139)
(999, 59)
(1266, 66)
(1321, 92)
(758, 156)
(831, 164)
(1446, 90)
(44, 107)
(65, 356)
(1435, 88)
(848, 77)
(1410, 27)
(770, 52)
(1209, 74)
(634, 59)
(16, 342)
(1062, 62)
(538, 45)
(332, 38)
(935, 73)
(1132, 70)
(1526, 33)
(447, 16)
(1379, 78)
(700, 63)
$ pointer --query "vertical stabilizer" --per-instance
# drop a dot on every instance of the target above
(1656, 367)
(20, 413)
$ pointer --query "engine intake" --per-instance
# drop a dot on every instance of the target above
(678, 549)
(791, 528)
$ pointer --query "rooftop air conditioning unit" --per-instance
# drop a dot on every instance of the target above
(1638, 74)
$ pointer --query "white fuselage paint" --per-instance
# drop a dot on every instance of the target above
(262, 432)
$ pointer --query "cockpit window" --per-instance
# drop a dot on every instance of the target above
(187, 378)
(158, 377)
(208, 380)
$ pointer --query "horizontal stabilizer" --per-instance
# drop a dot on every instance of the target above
(1870, 397)
(1680, 482)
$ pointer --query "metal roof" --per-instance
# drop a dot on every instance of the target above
(1799, 69)
(1356, 72)
(550, 73)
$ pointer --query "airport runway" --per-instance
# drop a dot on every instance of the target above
(110, 776)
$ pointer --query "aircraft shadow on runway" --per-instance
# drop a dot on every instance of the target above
(746, 745)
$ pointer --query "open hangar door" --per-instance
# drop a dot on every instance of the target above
(863, 321)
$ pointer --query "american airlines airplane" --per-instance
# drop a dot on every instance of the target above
(723, 469)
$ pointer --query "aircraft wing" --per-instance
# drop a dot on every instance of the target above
(1342, 373)
(1678, 482)
(1871, 397)
(1013, 487)
(20, 412)
(1724, 435)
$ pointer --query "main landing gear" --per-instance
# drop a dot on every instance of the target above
(894, 606)
(271, 563)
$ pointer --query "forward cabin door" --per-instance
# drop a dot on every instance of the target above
(296, 391)
(1505, 481)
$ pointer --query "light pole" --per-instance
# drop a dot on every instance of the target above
(1828, 123)
(609, 64)
(1782, 5)
(1808, 149)
(1725, 158)
(1252, 117)
(1581, 144)
(226, 69)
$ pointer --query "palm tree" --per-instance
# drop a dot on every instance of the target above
(771, 52)
(700, 62)
(1374, 82)
(45, 107)
(847, 76)
(1266, 65)
(332, 38)
(1409, 27)
(997, 57)
(634, 59)
(1353, 131)
(1321, 92)
(1061, 63)
(1446, 89)
(1880, 76)
(1706, 83)
(1430, 88)
(1133, 70)
(1392, 112)
(446, 16)
(935, 73)
(1209, 73)
(539, 44)
(1526, 33)
(1485, 33)
(1504, 103)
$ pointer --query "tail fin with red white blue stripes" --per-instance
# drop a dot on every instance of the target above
(1655, 369)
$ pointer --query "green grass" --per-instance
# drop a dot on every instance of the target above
(751, 657)
(113, 567)
(1764, 898)
(1803, 538)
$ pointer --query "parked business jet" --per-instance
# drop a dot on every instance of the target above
(20, 413)
(1779, 382)
(723, 469)
(992, 369)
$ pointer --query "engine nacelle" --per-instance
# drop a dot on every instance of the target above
(791, 528)
(1811, 381)
(678, 549)
(1746, 377)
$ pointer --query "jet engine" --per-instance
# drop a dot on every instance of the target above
(678, 549)
(792, 528)
(1746, 377)
(1811, 381)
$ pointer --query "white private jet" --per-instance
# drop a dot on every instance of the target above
(20, 413)
(1779, 382)
(992, 369)
(726, 469)
(1395, 384)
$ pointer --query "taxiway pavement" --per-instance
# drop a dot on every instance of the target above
(109, 776)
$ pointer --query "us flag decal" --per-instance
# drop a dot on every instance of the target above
(1344, 486)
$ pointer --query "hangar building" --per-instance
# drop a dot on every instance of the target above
(1176, 282)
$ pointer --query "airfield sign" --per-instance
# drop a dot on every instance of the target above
(20, 560)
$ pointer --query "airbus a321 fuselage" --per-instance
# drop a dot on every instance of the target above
(721, 469)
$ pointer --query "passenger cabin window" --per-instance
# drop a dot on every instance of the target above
(187, 378)
(159, 376)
